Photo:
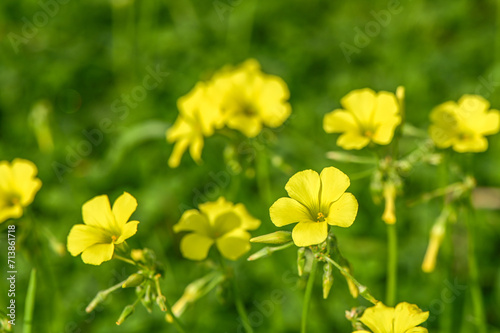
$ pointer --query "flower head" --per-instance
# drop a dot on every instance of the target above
(220, 222)
(104, 228)
(249, 99)
(198, 117)
(367, 117)
(315, 202)
(18, 187)
(463, 125)
(402, 319)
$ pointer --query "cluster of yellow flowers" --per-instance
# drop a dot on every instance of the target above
(373, 117)
(241, 98)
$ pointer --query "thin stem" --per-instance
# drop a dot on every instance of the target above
(128, 261)
(363, 290)
(392, 265)
(30, 303)
(307, 297)
(175, 320)
(477, 297)
(237, 297)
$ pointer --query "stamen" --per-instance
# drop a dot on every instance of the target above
(321, 217)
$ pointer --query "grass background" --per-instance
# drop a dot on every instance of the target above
(85, 56)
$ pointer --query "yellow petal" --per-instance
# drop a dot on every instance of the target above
(129, 229)
(379, 318)
(6, 177)
(123, 207)
(195, 246)
(384, 133)
(248, 222)
(352, 140)
(304, 187)
(362, 331)
(10, 212)
(176, 155)
(97, 212)
(333, 184)
(82, 236)
(24, 173)
(417, 330)
(442, 137)
(234, 244)
(490, 123)
(386, 109)
(192, 220)
(212, 209)
(470, 107)
(361, 103)
(196, 148)
(250, 126)
(474, 144)
(407, 316)
(225, 223)
(287, 210)
(309, 233)
(98, 253)
(343, 211)
(272, 101)
(339, 121)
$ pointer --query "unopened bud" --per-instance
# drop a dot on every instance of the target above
(98, 299)
(278, 237)
(129, 309)
(133, 280)
(400, 95)
(137, 255)
(301, 260)
(327, 279)
(437, 235)
(389, 215)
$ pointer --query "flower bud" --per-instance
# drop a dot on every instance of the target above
(327, 279)
(129, 309)
(133, 280)
(437, 235)
(389, 215)
(278, 237)
(301, 260)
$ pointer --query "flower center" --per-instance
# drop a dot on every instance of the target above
(464, 136)
(113, 238)
(12, 200)
(320, 218)
(368, 133)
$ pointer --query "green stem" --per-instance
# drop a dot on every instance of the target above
(307, 297)
(128, 261)
(262, 168)
(477, 297)
(392, 265)
(30, 303)
(237, 297)
(363, 290)
(176, 321)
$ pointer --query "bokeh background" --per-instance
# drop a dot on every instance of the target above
(69, 67)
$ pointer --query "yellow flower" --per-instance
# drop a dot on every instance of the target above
(198, 117)
(18, 186)
(249, 99)
(315, 202)
(367, 117)
(402, 319)
(220, 222)
(103, 229)
(463, 125)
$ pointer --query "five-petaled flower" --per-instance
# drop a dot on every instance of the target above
(104, 228)
(220, 222)
(18, 187)
(402, 319)
(367, 117)
(315, 202)
(463, 125)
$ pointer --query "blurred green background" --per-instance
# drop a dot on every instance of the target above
(70, 67)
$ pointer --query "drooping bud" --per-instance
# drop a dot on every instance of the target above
(301, 260)
(278, 237)
(133, 280)
(389, 215)
(436, 238)
(327, 279)
(129, 309)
